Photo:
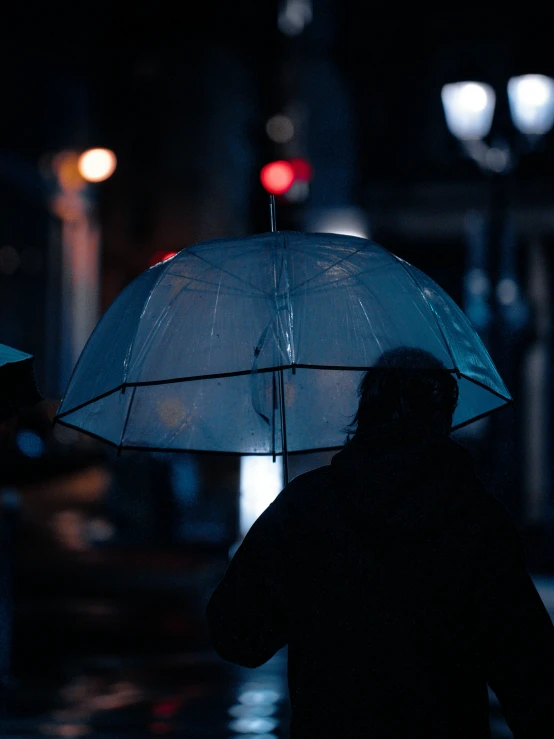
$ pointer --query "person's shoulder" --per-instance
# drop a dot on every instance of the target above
(307, 484)
(316, 475)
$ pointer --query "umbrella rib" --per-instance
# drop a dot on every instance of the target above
(68, 425)
(482, 415)
(346, 278)
(486, 387)
(368, 319)
(211, 284)
(127, 360)
(166, 269)
(124, 429)
(331, 266)
(236, 277)
(429, 305)
(59, 416)
(290, 311)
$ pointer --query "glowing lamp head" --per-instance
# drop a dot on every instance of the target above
(277, 177)
(468, 109)
(96, 165)
(531, 98)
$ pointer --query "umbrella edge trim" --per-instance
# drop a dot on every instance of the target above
(129, 447)
(240, 373)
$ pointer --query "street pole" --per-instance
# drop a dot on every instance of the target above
(510, 333)
(536, 403)
(79, 266)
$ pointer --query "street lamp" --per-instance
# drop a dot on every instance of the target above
(96, 165)
(469, 111)
(531, 99)
(469, 108)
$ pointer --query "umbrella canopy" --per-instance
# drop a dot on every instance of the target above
(256, 345)
(17, 381)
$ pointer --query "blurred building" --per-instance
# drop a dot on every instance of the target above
(186, 106)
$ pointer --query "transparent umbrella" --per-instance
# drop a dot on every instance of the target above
(17, 381)
(256, 345)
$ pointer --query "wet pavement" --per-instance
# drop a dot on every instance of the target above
(114, 648)
(83, 670)
(190, 695)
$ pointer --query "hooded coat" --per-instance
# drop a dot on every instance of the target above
(400, 586)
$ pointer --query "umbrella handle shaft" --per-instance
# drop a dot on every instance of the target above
(272, 214)
(283, 427)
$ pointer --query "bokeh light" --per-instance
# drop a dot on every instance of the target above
(531, 99)
(96, 165)
(294, 16)
(468, 109)
(473, 96)
(65, 164)
(302, 169)
(161, 256)
(280, 128)
(261, 480)
(348, 220)
(277, 177)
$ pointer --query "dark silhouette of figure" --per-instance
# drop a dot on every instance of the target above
(397, 581)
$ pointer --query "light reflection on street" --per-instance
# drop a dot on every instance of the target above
(159, 692)
(194, 696)
(182, 696)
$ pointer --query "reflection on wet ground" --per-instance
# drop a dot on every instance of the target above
(194, 695)
(137, 686)
(121, 649)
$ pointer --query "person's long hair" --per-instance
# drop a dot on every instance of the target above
(405, 384)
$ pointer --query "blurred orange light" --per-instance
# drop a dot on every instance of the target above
(277, 177)
(96, 165)
(65, 164)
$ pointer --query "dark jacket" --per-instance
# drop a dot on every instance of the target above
(400, 587)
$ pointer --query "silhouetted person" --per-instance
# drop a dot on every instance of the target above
(398, 583)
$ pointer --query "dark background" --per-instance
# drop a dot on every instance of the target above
(181, 93)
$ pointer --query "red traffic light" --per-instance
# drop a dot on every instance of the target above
(302, 169)
(160, 256)
(277, 177)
